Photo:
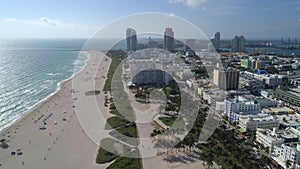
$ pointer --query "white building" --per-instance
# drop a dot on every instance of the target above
(235, 108)
(226, 79)
(269, 138)
(220, 105)
(149, 76)
(290, 135)
(283, 144)
(266, 93)
(264, 102)
(253, 122)
(290, 120)
(270, 80)
(212, 96)
(291, 151)
(143, 71)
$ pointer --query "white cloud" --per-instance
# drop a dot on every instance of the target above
(21, 21)
(41, 21)
(190, 3)
(48, 21)
(299, 19)
(170, 15)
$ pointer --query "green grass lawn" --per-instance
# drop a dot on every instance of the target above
(115, 112)
(128, 130)
(126, 133)
(115, 122)
(126, 162)
(113, 66)
(105, 156)
(92, 93)
(169, 121)
(112, 106)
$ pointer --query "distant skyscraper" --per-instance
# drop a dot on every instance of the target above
(217, 40)
(169, 40)
(151, 43)
(131, 39)
(238, 44)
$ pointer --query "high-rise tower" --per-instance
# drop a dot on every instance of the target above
(217, 40)
(226, 79)
(238, 44)
(131, 39)
(169, 40)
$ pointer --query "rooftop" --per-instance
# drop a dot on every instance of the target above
(289, 120)
(278, 110)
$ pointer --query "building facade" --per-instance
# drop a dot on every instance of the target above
(291, 151)
(238, 44)
(131, 39)
(169, 40)
(235, 108)
(269, 80)
(216, 41)
(254, 122)
(287, 95)
(226, 79)
(145, 72)
(268, 138)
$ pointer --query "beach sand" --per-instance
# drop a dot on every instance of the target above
(73, 143)
(65, 145)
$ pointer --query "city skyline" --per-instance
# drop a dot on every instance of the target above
(268, 20)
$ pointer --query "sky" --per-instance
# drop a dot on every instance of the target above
(255, 19)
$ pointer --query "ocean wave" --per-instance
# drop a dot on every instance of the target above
(10, 108)
(36, 83)
(53, 74)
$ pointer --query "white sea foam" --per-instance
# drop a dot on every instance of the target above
(30, 94)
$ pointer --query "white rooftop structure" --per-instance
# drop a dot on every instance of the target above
(251, 123)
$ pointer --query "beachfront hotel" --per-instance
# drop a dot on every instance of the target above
(169, 39)
(131, 39)
(145, 72)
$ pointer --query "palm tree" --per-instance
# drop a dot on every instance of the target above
(208, 158)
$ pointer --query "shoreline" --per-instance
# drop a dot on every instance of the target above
(53, 127)
(38, 104)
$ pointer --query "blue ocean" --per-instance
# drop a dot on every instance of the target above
(31, 70)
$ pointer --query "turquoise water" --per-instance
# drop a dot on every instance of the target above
(30, 70)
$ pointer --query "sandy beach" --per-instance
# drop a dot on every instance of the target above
(74, 126)
(63, 143)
